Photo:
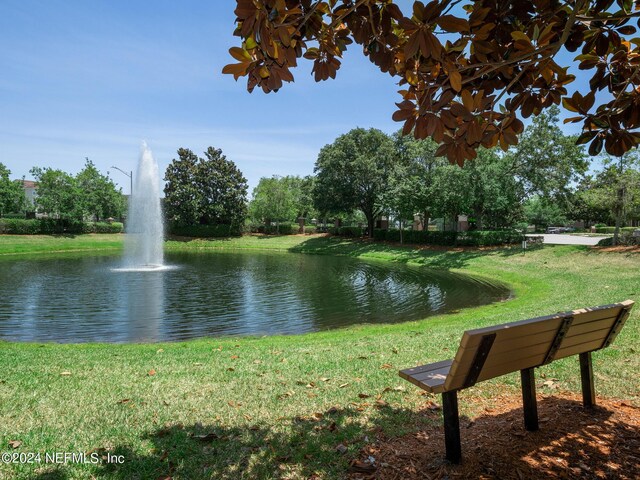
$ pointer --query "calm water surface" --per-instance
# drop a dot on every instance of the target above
(80, 299)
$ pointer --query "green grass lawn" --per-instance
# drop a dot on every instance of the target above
(277, 407)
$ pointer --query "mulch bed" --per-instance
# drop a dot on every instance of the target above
(572, 443)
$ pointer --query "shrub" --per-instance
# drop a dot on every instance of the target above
(103, 227)
(481, 238)
(353, 232)
(472, 238)
(625, 238)
(19, 216)
(613, 229)
(53, 226)
(16, 226)
(310, 229)
(205, 231)
(281, 229)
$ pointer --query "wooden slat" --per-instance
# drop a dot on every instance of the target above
(591, 326)
(431, 380)
(426, 368)
(541, 324)
(433, 377)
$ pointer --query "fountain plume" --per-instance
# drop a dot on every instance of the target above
(145, 229)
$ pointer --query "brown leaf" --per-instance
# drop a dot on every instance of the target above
(453, 24)
(455, 79)
(151, 372)
(341, 448)
(363, 395)
(15, 443)
(361, 467)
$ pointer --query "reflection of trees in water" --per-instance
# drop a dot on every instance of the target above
(212, 294)
(216, 288)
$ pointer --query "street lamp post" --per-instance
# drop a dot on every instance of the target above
(130, 175)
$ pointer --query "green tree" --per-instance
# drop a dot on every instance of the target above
(58, 194)
(205, 191)
(546, 161)
(616, 188)
(542, 212)
(495, 195)
(352, 173)
(12, 198)
(275, 199)
(450, 193)
(411, 182)
(100, 198)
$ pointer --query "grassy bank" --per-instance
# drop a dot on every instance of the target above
(277, 407)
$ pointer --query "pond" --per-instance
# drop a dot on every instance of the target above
(79, 298)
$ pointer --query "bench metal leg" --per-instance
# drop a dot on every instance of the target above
(451, 426)
(529, 403)
(586, 375)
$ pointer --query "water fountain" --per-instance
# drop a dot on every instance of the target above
(145, 231)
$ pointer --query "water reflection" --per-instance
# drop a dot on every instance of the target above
(145, 301)
(79, 299)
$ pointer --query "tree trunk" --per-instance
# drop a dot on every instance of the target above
(619, 210)
(370, 223)
(401, 236)
(478, 215)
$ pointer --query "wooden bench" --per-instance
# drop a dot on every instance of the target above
(494, 351)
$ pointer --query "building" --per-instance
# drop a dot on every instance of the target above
(30, 195)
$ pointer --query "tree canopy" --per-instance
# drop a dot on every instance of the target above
(205, 191)
(469, 70)
(100, 198)
(58, 193)
(352, 173)
(12, 198)
(282, 199)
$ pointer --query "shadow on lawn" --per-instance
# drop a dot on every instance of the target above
(305, 449)
(431, 256)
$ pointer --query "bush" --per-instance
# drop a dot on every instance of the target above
(205, 231)
(53, 226)
(626, 239)
(479, 238)
(16, 226)
(613, 229)
(19, 216)
(103, 227)
(310, 229)
(353, 232)
(472, 238)
(281, 229)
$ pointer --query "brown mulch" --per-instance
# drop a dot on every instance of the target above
(620, 249)
(572, 443)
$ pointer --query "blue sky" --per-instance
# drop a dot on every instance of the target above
(95, 78)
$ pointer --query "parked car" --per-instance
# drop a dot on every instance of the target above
(560, 229)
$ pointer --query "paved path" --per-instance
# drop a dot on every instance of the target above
(560, 239)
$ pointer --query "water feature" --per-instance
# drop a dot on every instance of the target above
(77, 298)
(145, 231)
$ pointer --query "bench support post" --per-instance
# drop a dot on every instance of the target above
(451, 426)
(529, 404)
(586, 375)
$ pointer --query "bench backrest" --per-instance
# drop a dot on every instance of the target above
(493, 351)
